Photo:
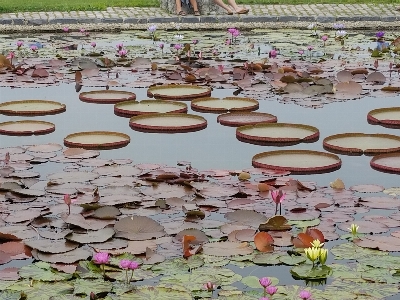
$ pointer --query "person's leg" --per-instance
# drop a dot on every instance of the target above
(195, 7)
(223, 5)
(179, 10)
(237, 8)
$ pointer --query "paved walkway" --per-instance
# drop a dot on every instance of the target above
(321, 13)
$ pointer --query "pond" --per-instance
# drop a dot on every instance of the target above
(148, 198)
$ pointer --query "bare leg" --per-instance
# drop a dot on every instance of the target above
(194, 4)
(223, 5)
(178, 6)
(235, 6)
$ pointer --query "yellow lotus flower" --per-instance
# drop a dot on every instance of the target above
(354, 229)
(312, 253)
(317, 244)
(323, 255)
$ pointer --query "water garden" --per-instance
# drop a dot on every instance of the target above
(173, 164)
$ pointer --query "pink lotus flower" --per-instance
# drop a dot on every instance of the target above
(161, 45)
(120, 46)
(265, 282)
(214, 52)
(195, 42)
(122, 53)
(10, 55)
(65, 29)
(324, 38)
(101, 258)
(301, 52)
(273, 53)
(34, 48)
(236, 33)
(200, 55)
(209, 286)
(278, 196)
(221, 68)
(305, 295)
(82, 30)
(124, 264)
(309, 48)
(228, 42)
(68, 201)
(134, 265)
(19, 44)
(264, 298)
(178, 46)
(271, 290)
(93, 44)
(231, 30)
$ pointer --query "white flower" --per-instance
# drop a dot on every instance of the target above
(178, 37)
(312, 26)
(341, 33)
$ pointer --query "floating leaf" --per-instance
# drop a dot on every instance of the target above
(97, 236)
(275, 223)
(264, 242)
(43, 272)
(138, 228)
(254, 283)
(227, 249)
(84, 286)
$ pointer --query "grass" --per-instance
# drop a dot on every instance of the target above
(71, 5)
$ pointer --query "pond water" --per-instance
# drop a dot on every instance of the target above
(215, 147)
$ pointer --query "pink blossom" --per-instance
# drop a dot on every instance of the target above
(305, 295)
(101, 258)
(324, 38)
(125, 264)
(200, 55)
(228, 42)
(10, 55)
(278, 196)
(82, 30)
(67, 199)
(221, 68)
(134, 265)
(301, 52)
(214, 52)
(264, 298)
(271, 290)
(231, 30)
(120, 46)
(195, 42)
(161, 45)
(122, 52)
(178, 46)
(209, 286)
(236, 33)
(34, 48)
(93, 44)
(65, 29)
(273, 53)
(265, 282)
(20, 44)
(309, 48)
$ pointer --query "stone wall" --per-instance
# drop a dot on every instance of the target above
(206, 7)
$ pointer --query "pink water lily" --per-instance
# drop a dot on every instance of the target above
(34, 48)
(68, 201)
(271, 290)
(101, 258)
(209, 286)
(278, 196)
(273, 53)
(10, 55)
(120, 46)
(65, 29)
(20, 44)
(305, 295)
(122, 53)
(93, 44)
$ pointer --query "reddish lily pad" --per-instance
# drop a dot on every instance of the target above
(388, 117)
(226, 104)
(97, 140)
(246, 217)
(97, 236)
(227, 249)
(52, 246)
(381, 202)
(133, 108)
(389, 162)
(31, 107)
(106, 96)
(178, 92)
(26, 127)
(367, 188)
(65, 257)
(264, 242)
(245, 118)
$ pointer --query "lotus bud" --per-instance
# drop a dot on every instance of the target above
(354, 229)
(323, 255)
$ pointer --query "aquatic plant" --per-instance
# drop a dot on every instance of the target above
(305, 295)
(152, 30)
(341, 35)
(126, 265)
(313, 27)
(101, 258)
(278, 196)
(68, 201)
(265, 282)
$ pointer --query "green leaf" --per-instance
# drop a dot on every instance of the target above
(305, 224)
(5, 284)
(39, 290)
(253, 281)
(389, 262)
(171, 266)
(292, 260)
(43, 272)
(307, 271)
(155, 293)
(82, 286)
(352, 251)
(10, 295)
(267, 258)
(195, 261)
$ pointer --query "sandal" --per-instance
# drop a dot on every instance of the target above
(243, 11)
(181, 13)
(229, 13)
(197, 13)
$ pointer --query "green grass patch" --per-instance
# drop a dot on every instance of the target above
(72, 5)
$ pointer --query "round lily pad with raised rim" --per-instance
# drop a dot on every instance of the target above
(26, 127)
(178, 92)
(169, 123)
(235, 119)
(218, 105)
(97, 140)
(388, 163)
(266, 133)
(362, 143)
(297, 161)
(31, 108)
(106, 96)
(388, 117)
(133, 108)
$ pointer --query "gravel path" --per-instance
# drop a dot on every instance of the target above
(370, 16)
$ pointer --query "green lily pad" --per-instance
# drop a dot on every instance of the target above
(305, 224)
(84, 286)
(195, 261)
(155, 293)
(352, 251)
(39, 290)
(307, 271)
(292, 260)
(172, 266)
(267, 259)
(43, 272)
(253, 281)
(10, 295)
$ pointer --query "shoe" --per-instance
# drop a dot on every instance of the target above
(181, 13)
(229, 13)
(243, 11)
(197, 13)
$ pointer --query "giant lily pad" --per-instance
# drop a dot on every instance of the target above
(359, 143)
(31, 107)
(106, 96)
(169, 123)
(138, 228)
(297, 161)
(388, 162)
(97, 140)
(178, 92)
(51, 246)
(224, 105)
(388, 116)
(133, 108)
(245, 118)
(227, 249)
(66, 257)
(277, 133)
(26, 127)
(97, 236)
